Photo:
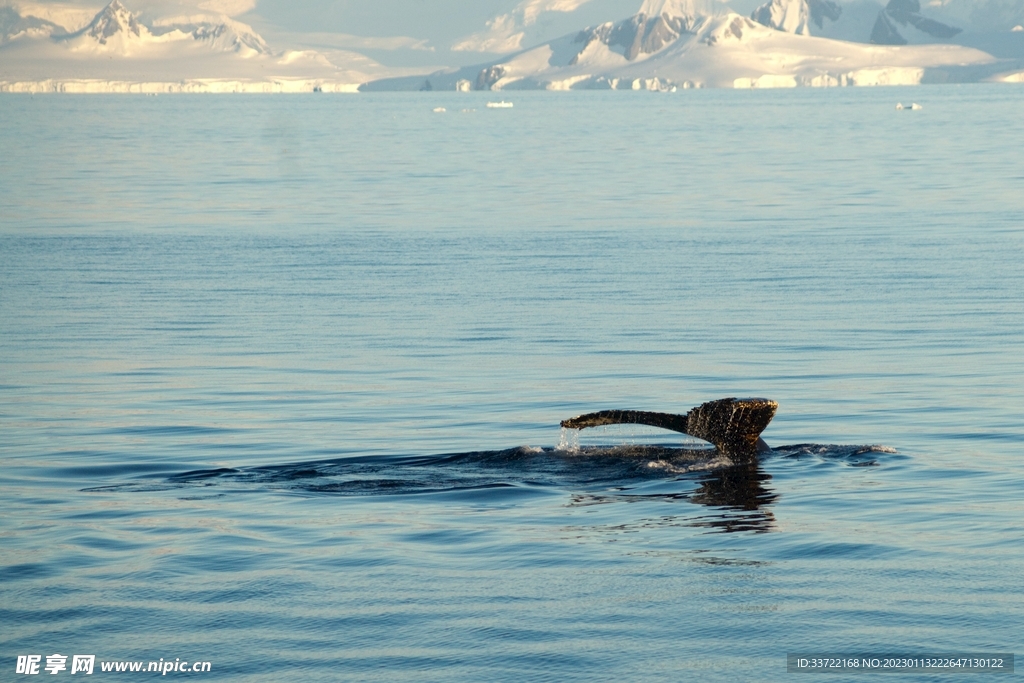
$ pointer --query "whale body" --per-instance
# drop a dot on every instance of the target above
(733, 425)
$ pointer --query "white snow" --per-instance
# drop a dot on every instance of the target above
(791, 16)
(669, 44)
(676, 8)
(198, 85)
(505, 31)
(727, 50)
(115, 51)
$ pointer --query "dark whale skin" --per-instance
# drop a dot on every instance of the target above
(733, 425)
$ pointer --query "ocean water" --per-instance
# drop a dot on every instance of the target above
(281, 378)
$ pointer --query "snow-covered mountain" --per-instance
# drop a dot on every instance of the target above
(116, 30)
(665, 44)
(682, 43)
(898, 23)
(658, 23)
(901, 17)
(796, 16)
(118, 51)
(115, 23)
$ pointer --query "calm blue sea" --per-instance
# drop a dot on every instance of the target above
(281, 378)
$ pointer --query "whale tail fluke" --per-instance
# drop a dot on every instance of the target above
(733, 425)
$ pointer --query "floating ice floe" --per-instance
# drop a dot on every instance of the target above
(900, 106)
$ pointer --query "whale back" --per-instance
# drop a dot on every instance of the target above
(733, 425)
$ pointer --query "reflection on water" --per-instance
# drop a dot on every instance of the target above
(742, 491)
(740, 494)
(738, 491)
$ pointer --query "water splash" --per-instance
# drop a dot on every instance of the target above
(569, 440)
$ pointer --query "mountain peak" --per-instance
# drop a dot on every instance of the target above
(907, 13)
(657, 24)
(228, 35)
(112, 20)
(795, 16)
(790, 16)
(674, 8)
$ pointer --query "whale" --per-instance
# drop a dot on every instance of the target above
(732, 425)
